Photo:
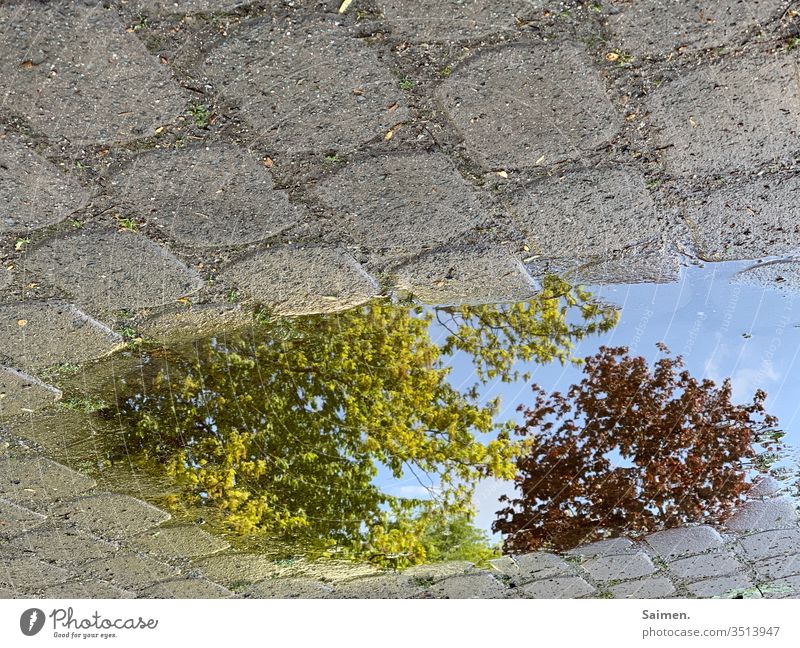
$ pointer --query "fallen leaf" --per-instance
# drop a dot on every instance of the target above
(502, 174)
(21, 323)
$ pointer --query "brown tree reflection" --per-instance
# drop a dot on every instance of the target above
(629, 448)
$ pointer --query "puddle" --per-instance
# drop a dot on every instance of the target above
(390, 433)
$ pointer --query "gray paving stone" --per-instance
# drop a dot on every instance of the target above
(129, 571)
(771, 543)
(286, 588)
(781, 588)
(710, 119)
(588, 214)
(63, 547)
(610, 547)
(385, 586)
(706, 566)
(448, 20)
(646, 588)
(30, 575)
(783, 276)
(556, 588)
(307, 89)
(608, 568)
(34, 335)
(106, 271)
(33, 192)
(74, 73)
(504, 565)
(653, 27)
(36, 480)
(781, 567)
(86, 589)
(302, 280)
(110, 515)
(47, 429)
(532, 103)
(198, 320)
(676, 543)
(234, 570)
(469, 586)
(652, 262)
(407, 202)
(187, 588)
(21, 393)
(466, 277)
(727, 587)
(539, 565)
(747, 218)
(438, 571)
(764, 515)
(764, 487)
(180, 541)
(205, 196)
(15, 520)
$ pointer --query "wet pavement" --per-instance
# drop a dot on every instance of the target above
(173, 173)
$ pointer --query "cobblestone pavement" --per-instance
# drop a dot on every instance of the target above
(166, 164)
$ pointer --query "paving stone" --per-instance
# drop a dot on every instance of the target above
(676, 543)
(610, 547)
(708, 119)
(107, 271)
(182, 541)
(110, 515)
(438, 571)
(22, 393)
(469, 586)
(771, 543)
(466, 277)
(307, 89)
(205, 196)
(781, 588)
(33, 192)
(652, 262)
(198, 320)
(588, 214)
(87, 589)
(30, 575)
(538, 565)
(385, 586)
(15, 520)
(63, 547)
(74, 73)
(36, 480)
(727, 587)
(783, 276)
(302, 280)
(286, 588)
(706, 566)
(748, 218)
(407, 202)
(653, 27)
(437, 20)
(187, 588)
(607, 568)
(556, 588)
(130, 571)
(504, 565)
(764, 487)
(763, 515)
(781, 567)
(60, 432)
(521, 105)
(236, 570)
(34, 335)
(647, 588)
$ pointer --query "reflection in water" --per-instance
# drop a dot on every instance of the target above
(283, 429)
(629, 448)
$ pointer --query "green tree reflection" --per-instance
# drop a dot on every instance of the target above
(283, 429)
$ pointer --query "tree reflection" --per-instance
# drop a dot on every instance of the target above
(629, 449)
(283, 429)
